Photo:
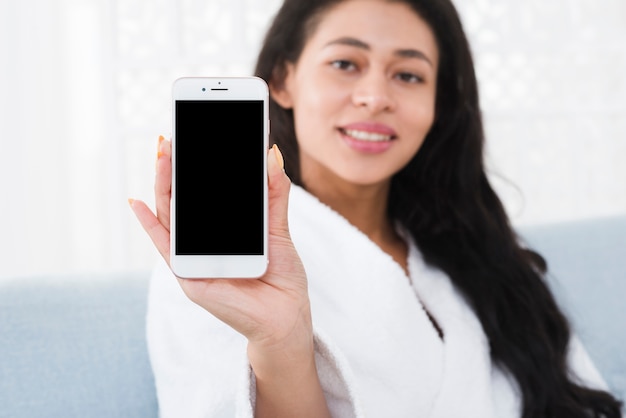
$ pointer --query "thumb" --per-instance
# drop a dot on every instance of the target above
(278, 192)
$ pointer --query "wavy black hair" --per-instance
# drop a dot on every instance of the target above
(444, 199)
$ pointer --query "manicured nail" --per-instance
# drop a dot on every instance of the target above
(131, 201)
(279, 157)
(159, 152)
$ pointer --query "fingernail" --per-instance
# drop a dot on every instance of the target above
(159, 152)
(279, 157)
(131, 201)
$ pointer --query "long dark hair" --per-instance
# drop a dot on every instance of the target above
(444, 198)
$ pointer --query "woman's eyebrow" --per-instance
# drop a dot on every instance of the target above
(405, 53)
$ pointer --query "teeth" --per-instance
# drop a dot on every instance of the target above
(367, 136)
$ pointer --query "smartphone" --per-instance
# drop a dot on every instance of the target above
(218, 209)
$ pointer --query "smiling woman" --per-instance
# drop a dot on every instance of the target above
(85, 90)
(361, 86)
(385, 233)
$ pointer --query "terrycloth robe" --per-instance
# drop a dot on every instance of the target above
(378, 353)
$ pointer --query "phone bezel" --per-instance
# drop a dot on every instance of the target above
(219, 266)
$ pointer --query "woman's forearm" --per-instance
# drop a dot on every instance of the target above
(292, 393)
(287, 383)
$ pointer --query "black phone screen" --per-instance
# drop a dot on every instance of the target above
(219, 175)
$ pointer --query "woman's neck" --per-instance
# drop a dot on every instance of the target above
(365, 207)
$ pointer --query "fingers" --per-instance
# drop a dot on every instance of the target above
(163, 182)
(278, 192)
(159, 235)
(158, 226)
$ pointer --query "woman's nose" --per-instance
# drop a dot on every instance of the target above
(372, 93)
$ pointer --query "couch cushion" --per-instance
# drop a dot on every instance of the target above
(75, 347)
(587, 272)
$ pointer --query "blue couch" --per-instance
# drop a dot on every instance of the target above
(74, 346)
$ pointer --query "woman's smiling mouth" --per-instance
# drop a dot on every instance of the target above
(368, 138)
(366, 135)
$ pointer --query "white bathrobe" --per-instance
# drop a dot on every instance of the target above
(378, 354)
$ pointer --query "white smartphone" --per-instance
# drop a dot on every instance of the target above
(218, 218)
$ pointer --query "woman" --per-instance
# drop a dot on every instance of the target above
(396, 286)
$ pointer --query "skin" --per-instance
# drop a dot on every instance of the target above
(369, 62)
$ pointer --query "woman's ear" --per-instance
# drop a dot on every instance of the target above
(280, 91)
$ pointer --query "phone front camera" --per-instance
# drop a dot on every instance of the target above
(203, 89)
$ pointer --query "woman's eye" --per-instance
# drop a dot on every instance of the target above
(410, 78)
(343, 65)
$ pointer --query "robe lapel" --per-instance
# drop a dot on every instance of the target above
(362, 300)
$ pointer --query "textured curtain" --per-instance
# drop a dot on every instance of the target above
(85, 92)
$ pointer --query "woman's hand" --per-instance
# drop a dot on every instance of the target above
(271, 311)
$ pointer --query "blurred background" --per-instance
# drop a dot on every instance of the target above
(85, 93)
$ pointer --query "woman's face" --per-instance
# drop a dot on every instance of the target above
(362, 93)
